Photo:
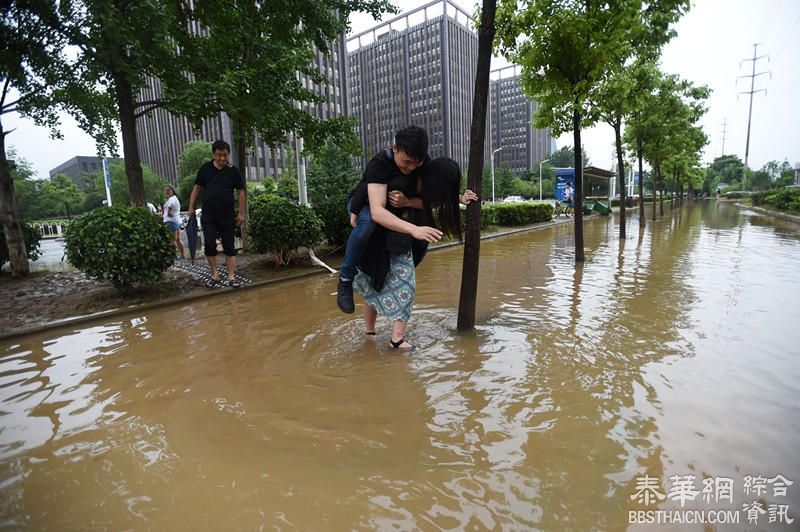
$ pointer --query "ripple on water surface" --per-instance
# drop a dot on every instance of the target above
(668, 353)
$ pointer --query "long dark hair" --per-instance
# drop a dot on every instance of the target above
(441, 182)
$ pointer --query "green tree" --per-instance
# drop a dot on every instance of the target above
(134, 50)
(675, 108)
(331, 178)
(287, 187)
(153, 185)
(564, 157)
(195, 154)
(760, 180)
(63, 195)
(37, 82)
(664, 123)
(503, 181)
(724, 170)
(27, 189)
(778, 172)
(645, 76)
(616, 95)
(256, 78)
(566, 49)
(523, 188)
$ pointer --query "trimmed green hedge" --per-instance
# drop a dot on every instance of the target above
(515, 214)
(31, 236)
(127, 246)
(280, 226)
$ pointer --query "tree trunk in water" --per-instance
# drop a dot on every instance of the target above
(240, 145)
(661, 196)
(130, 145)
(578, 211)
(641, 184)
(621, 172)
(674, 188)
(655, 191)
(472, 234)
(9, 216)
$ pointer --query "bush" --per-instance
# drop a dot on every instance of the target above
(514, 214)
(787, 199)
(125, 245)
(31, 236)
(280, 226)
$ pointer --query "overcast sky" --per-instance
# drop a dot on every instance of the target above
(713, 39)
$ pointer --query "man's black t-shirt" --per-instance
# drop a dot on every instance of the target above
(382, 170)
(218, 185)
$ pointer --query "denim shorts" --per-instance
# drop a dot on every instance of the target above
(172, 226)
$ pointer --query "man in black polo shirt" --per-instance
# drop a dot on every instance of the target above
(216, 181)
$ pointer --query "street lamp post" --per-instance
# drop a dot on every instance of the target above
(540, 178)
(491, 165)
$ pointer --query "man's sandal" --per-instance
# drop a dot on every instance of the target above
(401, 341)
(234, 283)
(212, 283)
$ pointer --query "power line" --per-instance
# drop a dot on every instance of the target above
(752, 91)
(724, 136)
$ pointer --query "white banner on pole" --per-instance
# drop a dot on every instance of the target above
(107, 175)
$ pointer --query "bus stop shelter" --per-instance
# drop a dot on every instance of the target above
(596, 182)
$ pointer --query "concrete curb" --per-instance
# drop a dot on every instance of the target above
(776, 214)
(121, 311)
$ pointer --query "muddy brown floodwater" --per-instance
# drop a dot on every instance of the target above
(672, 356)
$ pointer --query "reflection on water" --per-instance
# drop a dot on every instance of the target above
(670, 353)
(51, 256)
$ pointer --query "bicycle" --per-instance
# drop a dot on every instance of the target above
(559, 209)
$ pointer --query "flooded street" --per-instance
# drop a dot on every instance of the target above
(672, 353)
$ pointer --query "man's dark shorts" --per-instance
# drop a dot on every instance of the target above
(218, 223)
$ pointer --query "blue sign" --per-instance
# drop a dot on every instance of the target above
(564, 176)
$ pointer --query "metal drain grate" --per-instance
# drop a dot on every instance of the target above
(202, 271)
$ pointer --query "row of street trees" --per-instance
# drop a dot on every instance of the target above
(588, 61)
(585, 61)
(93, 58)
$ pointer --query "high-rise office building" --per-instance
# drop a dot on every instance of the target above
(162, 136)
(522, 147)
(419, 68)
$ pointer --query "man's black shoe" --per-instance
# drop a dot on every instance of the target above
(344, 297)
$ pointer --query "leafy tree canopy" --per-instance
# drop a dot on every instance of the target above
(253, 63)
(564, 157)
(195, 154)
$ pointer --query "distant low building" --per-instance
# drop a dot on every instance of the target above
(797, 174)
(80, 166)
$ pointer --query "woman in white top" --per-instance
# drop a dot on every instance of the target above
(172, 217)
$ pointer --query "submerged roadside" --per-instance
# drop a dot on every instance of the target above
(46, 300)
